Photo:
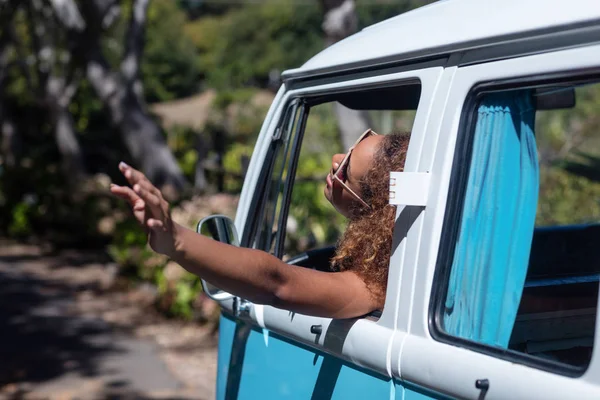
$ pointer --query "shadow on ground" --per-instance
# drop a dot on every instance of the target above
(40, 340)
(48, 346)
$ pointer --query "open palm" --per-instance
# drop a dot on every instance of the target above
(150, 209)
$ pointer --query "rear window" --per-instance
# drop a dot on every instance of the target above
(522, 279)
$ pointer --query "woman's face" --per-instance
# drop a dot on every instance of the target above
(357, 167)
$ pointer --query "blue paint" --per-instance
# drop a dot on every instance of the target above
(226, 334)
(249, 369)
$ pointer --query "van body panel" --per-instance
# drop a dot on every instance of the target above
(253, 365)
(274, 353)
(460, 25)
(421, 352)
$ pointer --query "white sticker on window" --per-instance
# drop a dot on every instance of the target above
(409, 188)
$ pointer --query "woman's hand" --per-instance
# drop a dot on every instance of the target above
(150, 209)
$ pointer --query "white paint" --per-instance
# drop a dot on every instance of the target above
(376, 355)
(448, 368)
(451, 26)
(257, 159)
(259, 315)
(399, 344)
(409, 188)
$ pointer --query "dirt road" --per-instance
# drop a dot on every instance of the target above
(64, 334)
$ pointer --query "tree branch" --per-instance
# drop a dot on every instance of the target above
(71, 86)
(134, 42)
(110, 14)
(339, 20)
(9, 138)
(68, 14)
(40, 48)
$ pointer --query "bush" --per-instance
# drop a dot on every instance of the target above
(244, 46)
(566, 198)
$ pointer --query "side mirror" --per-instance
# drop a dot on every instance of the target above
(220, 228)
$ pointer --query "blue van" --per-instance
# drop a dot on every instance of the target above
(483, 301)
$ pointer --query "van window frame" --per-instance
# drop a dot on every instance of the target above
(454, 213)
(260, 195)
(297, 327)
(302, 103)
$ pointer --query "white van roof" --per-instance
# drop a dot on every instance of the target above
(448, 26)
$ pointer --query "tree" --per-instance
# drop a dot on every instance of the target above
(64, 39)
(121, 90)
(340, 21)
(51, 82)
(250, 44)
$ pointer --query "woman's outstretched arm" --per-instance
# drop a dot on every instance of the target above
(251, 274)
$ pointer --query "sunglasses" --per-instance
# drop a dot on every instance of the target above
(340, 174)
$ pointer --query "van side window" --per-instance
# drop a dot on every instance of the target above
(523, 275)
(296, 222)
(313, 226)
(276, 177)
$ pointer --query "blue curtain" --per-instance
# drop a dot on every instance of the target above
(492, 254)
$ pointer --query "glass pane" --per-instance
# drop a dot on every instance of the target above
(526, 265)
(276, 182)
(313, 223)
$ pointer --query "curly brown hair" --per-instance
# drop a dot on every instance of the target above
(366, 244)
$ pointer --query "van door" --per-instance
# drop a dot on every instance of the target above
(273, 353)
(502, 309)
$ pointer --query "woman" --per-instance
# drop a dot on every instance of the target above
(358, 187)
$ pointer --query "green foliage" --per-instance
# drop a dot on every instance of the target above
(232, 164)
(140, 264)
(236, 119)
(242, 47)
(567, 199)
(317, 222)
(186, 291)
(570, 179)
(20, 225)
(561, 133)
(169, 65)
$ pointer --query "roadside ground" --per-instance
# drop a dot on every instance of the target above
(67, 332)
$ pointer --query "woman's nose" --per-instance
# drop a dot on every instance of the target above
(336, 160)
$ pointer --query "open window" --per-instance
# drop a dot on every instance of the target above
(296, 222)
(519, 272)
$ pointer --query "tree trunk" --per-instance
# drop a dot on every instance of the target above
(340, 21)
(121, 90)
(351, 124)
(141, 134)
(10, 144)
(200, 181)
(73, 163)
(58, 98)
(55, 86)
